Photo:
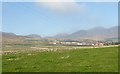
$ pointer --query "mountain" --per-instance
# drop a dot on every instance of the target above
(8, 35)
(12, 35)
(61, 35)
(96, 33)
(11, 38)
(34, 36)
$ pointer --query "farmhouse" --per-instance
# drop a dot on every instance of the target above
(69, 42)
(79, 43)
(74, 43)
(99, 44)
(54, 42)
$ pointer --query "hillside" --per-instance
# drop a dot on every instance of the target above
(11, 38)
(94, 33)
(98, 33)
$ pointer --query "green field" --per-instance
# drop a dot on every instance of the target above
(80, 60)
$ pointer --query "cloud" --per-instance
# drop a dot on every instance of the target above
(66, 6)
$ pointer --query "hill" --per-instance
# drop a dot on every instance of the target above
(97, 33)
(11, 38)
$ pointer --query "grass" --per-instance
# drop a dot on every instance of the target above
(81, 60)
(0, 63)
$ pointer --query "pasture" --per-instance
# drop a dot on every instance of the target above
(73, 60)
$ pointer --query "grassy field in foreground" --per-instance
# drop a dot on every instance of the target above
(82, 60)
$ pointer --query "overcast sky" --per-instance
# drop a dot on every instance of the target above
(50, 18)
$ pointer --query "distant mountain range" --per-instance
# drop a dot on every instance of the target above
(34, 36)
(95, 33)
(11, 38)
(12, 35)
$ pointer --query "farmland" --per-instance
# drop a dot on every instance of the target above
(59, 36)
(32, 59)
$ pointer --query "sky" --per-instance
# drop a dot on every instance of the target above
(51, 18)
